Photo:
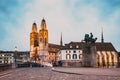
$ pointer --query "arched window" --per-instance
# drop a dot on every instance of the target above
(107, 59)
(74, 56)
(98, 59)
(80, 56)
(68, 56)
(112, 57)
(103, 60)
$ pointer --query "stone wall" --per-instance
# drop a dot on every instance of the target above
(4, 67)
(71, 63)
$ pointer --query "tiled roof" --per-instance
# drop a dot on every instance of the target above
(106, 46)
(53, 48)
(53, 45)
(72, 45)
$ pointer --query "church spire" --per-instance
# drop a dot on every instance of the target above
(102, 39)
(34, 27)
(61, 42)
(43, 24)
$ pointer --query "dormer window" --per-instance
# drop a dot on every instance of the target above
(70, 46)
(77, 46)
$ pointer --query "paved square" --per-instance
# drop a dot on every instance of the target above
(49, 74)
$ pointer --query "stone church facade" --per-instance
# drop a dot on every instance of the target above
(40, 49)
(71, 54)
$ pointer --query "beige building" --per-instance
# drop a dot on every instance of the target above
(40, 49)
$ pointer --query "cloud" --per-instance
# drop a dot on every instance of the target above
(73, 18)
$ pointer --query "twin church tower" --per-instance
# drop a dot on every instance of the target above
(39, 43)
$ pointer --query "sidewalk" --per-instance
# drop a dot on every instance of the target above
(90, 71)
(10, 71)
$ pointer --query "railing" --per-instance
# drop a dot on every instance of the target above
(29, 65)
(4, 67)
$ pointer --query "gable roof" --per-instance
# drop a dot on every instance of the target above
(106, 46)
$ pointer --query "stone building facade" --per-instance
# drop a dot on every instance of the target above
(8, 57)
(40, 50)
(72, 54)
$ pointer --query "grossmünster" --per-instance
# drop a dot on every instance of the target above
(42, 51)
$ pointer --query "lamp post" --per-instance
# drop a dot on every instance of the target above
(15, 54)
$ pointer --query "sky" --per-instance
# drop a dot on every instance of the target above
(74, 18)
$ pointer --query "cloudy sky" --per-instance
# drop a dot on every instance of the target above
(73, 18)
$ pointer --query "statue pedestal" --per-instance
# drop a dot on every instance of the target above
(89, 55)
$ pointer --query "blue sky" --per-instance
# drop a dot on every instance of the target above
(73, 18)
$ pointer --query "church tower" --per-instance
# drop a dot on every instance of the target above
(33, 42)
(43, 41)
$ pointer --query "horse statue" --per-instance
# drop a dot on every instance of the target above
(90, 38)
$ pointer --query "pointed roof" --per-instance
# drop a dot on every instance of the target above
(34, 27)
(102, 38)
(43, 24)
(34, 23)
(43, 20)
(61, 42)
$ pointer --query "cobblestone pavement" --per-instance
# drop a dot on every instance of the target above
(90, 71)
(48, 74)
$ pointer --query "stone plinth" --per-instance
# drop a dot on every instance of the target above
(89, 55)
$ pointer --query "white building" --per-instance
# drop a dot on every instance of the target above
(6, 57)
(71, 54)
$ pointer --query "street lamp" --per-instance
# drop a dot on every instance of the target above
(15, 54)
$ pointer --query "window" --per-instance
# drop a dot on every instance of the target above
(6, 61)
(80, 56)
(74, 51)
(66, 51)
(70, 46)
(77, 46)
(69, 51)
(74, 56)
(3, 55)
(68, 56)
